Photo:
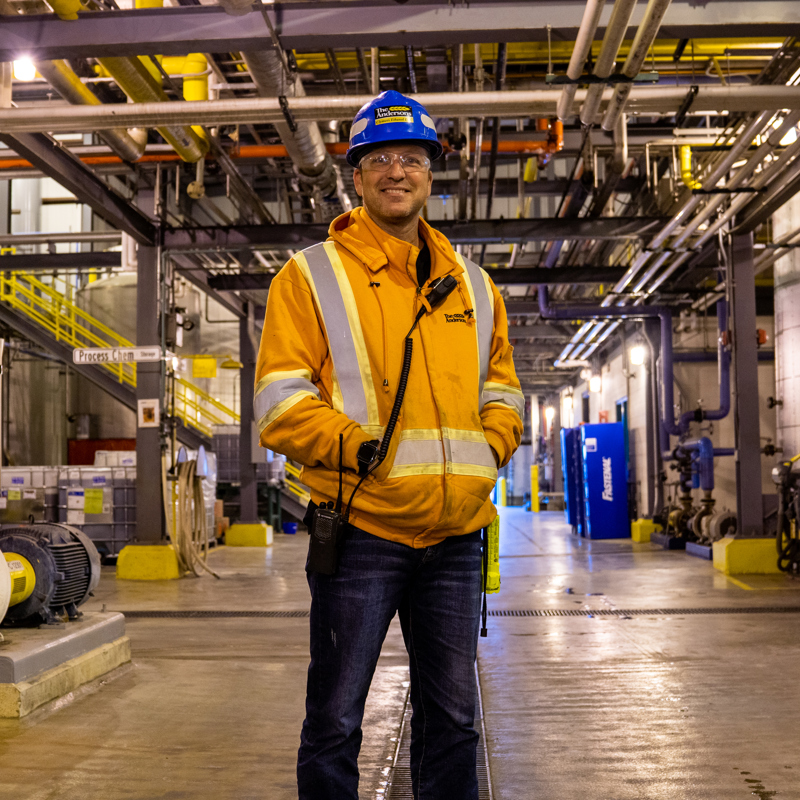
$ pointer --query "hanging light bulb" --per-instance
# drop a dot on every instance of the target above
(595, 383)
(636, 355)
(24, 70)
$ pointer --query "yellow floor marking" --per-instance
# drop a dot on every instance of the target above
(743, 585)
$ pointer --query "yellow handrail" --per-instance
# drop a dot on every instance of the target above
(58, 314)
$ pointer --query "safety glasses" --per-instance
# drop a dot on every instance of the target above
(383, 162)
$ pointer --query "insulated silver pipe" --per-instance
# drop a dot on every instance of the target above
(580, 52)
(645, 36)
(612, 41)
(304, 145)
(511, 104)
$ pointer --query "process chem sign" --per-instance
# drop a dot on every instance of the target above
(115, 355)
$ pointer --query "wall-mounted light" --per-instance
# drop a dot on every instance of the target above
(549, 414)
(24, 70)
(568, 408)
(595, 383)
(636, 355)
(586, 374)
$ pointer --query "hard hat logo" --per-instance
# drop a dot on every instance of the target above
(393, 114)
(392, 118)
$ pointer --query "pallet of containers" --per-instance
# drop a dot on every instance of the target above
(86, 500)
(27, 492)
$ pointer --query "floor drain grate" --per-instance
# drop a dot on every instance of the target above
(399, 785)
(639, 612)
(144, 614)
(499, 612)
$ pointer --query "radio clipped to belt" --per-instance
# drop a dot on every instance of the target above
(327, 526)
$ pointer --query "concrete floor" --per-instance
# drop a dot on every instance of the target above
(597, 708)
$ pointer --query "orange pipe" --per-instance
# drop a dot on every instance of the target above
(554, 143)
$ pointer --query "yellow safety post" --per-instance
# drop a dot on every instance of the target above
(746, 556)
(642, 528)
(535, 489)
(502, 492)
(256, 534)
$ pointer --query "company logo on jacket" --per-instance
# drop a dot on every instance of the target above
(455, 318)
(608, 492)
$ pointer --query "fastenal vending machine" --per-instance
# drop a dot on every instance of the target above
(605, 481)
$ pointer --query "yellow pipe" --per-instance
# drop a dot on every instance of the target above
(193, 88)
(66, 9)
(132, 77)
(686, 168)
(66, 82)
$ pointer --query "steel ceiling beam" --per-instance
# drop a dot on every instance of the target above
(55, 161)
(249, 281)
(419, 23)
(498, 231)
(51, 262)
(200, 277)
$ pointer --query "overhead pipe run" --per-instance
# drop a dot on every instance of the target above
(303, 139)
(530, 103)
(580, 52)
(642, 42)
(140, 86)
(128, 145)
(612, 41)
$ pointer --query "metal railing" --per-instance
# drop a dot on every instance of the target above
(296, 488)
(56, 310)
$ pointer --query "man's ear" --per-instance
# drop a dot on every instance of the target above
(357, 182)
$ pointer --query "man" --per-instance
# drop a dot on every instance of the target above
(330, 366)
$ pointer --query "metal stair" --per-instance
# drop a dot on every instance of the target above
(50, 317)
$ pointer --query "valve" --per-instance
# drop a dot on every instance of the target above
(772, 402)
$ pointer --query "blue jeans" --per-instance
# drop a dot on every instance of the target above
(437, 593)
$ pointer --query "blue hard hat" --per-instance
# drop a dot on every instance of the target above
(391, 117)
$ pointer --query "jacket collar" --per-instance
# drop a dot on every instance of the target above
(359, 234)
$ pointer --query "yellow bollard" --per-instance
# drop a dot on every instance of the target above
(535, 489)
(502, 492)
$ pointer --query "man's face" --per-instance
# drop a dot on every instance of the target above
(394, 194)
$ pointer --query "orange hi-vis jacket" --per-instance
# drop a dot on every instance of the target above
(330, 361)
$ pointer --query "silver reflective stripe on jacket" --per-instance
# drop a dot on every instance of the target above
(456, 452)
(507, 395)
(484, 317)
(340, 340)
(277, 392)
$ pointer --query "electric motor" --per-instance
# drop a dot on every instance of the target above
(53, 569)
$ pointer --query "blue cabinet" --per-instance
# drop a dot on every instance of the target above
(605, 481)
(572, 474)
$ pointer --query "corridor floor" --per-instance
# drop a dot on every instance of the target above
(661, 706)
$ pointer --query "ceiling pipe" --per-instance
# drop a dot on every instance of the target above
(780, 170)
(526, 104)
(580, 52)
(612, 41)
(645, 36)
(304, 144)
(739, 146)
(128, 145)
(140, 86)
